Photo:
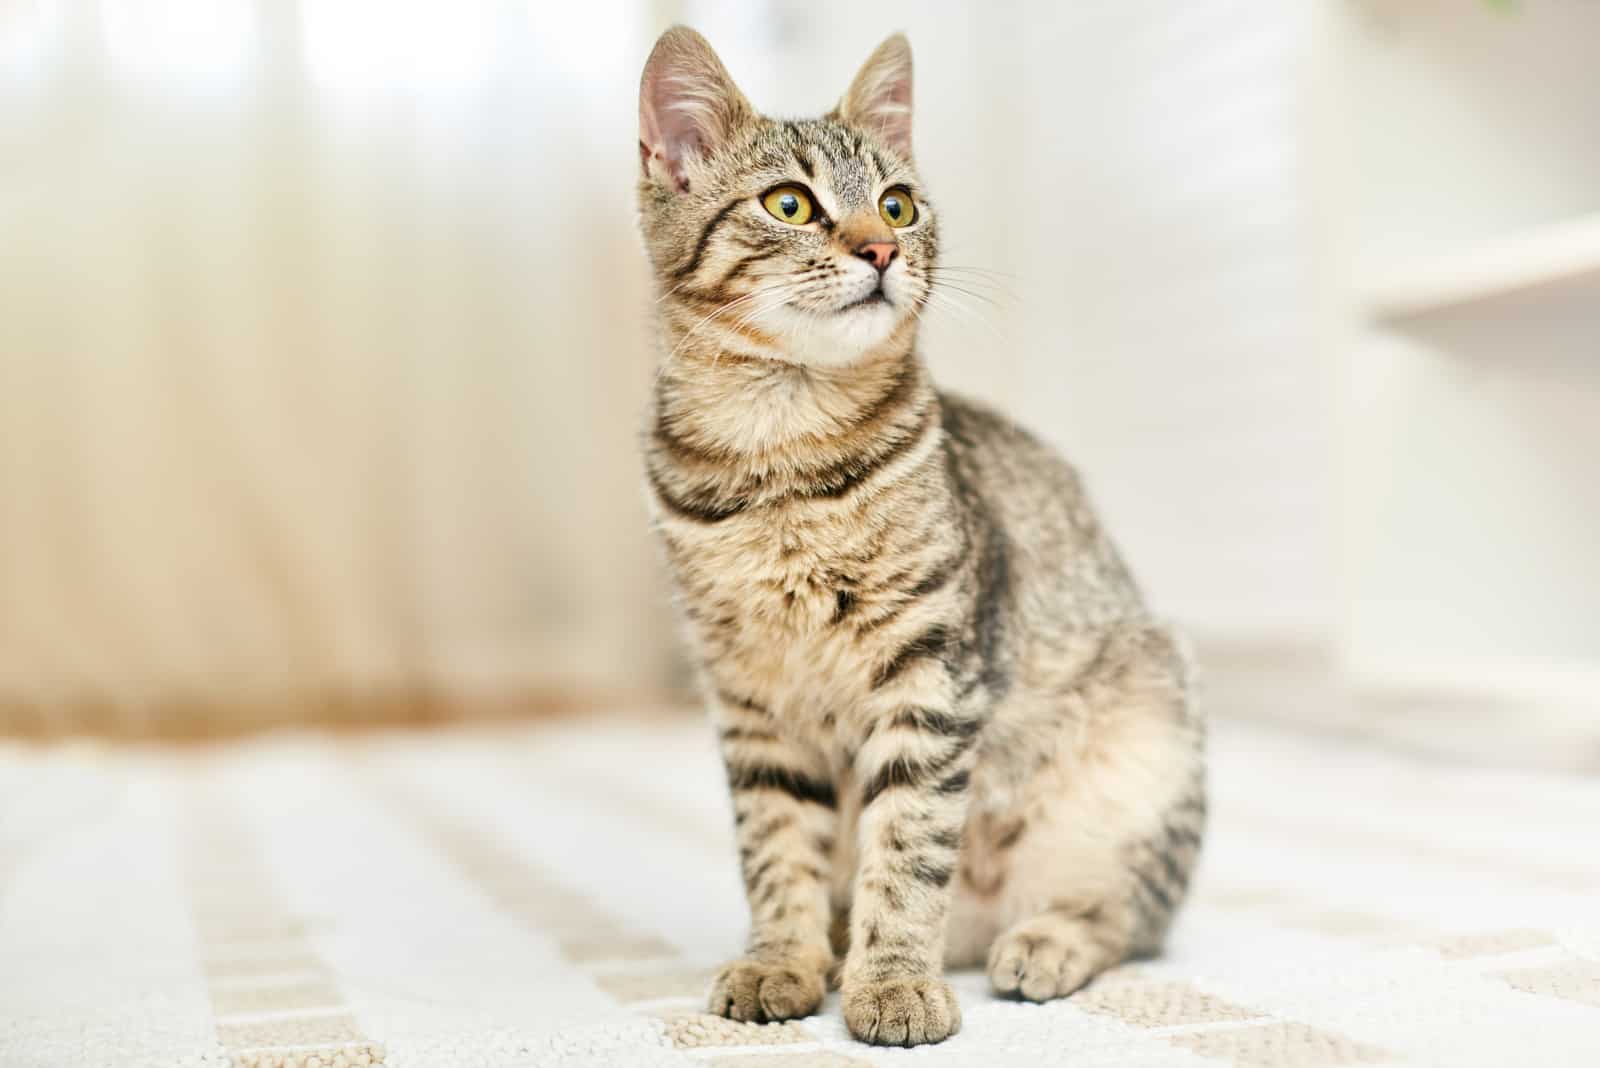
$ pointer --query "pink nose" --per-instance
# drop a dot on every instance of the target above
(879, 253)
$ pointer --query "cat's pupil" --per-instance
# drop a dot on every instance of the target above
(789, 204)
(892, 206)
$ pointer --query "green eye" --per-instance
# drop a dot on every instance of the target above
(790, 204)
(897, 208)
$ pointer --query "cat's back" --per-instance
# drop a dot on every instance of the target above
(999, 461)
(1003, 468)
(1004, 476)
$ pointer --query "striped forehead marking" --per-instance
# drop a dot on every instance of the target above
(850, 167)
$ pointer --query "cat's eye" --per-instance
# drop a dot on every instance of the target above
(790, 204)
(897, 208)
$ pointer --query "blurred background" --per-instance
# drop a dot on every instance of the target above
(324, 341)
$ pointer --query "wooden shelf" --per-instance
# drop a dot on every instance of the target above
(1561, 255)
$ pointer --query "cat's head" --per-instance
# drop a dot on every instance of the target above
(809, 241)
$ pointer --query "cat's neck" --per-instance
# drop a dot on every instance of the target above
(748, 406)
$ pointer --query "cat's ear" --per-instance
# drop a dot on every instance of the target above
(688, 106)
(880, 98)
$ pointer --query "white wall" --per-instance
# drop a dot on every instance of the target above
(1134, 171)
(1167, 239)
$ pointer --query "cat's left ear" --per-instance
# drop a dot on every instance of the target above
(880, 97)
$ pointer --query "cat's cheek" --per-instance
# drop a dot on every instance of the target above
(900, 290)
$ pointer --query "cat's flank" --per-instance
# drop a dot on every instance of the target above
(953, 732)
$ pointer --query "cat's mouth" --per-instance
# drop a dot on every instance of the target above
(871, 300)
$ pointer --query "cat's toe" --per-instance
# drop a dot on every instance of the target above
(758, 991)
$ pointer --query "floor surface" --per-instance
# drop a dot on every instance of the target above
(556, 896)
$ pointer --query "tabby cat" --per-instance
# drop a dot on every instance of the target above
(952, 731)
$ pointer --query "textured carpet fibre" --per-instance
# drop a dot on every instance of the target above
(559, 895)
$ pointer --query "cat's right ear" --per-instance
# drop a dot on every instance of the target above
(880, 97)
(688, 107)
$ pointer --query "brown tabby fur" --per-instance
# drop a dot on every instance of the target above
(952, 730)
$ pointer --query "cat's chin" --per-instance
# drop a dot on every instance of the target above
(838, 339)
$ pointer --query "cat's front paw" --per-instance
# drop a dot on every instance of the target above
(759, 992)
(902, 1012)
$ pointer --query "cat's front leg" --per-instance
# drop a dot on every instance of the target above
(785, 815)
(914, 769)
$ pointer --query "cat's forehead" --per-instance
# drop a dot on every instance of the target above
(848, 162)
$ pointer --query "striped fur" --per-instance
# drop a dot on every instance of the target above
(952, 731)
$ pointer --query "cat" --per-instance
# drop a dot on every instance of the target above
(953, 733)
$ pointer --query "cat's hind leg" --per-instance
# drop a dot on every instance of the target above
(1076, 936)
(1088, 865)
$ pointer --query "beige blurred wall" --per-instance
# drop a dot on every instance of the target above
(324, 328)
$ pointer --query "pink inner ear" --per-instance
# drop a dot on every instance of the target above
(885, 106)
(680, 180)
(667, 130)
(890, 115)
(688, 105)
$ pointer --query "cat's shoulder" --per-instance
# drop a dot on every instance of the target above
(993, 458)
(977, 426)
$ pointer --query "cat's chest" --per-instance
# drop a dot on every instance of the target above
(785, 571)
(768, 598)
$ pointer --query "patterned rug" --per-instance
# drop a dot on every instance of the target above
(558, 896)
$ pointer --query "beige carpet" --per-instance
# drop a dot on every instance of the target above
(556, 896)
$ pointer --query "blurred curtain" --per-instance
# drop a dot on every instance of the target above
(324, 327)
(322, 351)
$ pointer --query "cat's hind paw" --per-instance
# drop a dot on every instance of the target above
(1047, 957)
